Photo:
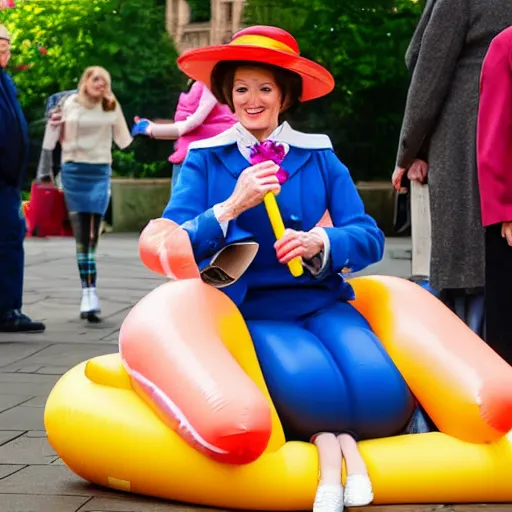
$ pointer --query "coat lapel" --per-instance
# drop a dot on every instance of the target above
(232, 160)
(295, 160)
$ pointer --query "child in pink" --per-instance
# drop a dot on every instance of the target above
(198, 116)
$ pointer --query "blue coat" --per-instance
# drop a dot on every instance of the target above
(324, 367)
(14, 139)
(318, 181)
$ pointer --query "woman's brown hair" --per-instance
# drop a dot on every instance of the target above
(223, 77)
(108, 102)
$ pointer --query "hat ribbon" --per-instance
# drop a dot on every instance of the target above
(262, 42)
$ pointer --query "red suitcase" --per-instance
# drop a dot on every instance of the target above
(46, 214)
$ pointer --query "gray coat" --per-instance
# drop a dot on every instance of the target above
(445, 57)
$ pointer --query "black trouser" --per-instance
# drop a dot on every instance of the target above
(86, 229)
(498, 292)
(12, 234)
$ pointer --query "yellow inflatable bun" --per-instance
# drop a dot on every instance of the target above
(108, 435)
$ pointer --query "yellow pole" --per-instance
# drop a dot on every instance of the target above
(276, 220)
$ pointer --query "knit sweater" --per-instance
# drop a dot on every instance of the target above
(86, 134)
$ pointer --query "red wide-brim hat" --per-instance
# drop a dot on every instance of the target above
(268, 45)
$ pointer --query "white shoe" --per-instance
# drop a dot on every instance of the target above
(90, 302)
(85, 305)
(358, 491)
(94, 301)
(329, 498)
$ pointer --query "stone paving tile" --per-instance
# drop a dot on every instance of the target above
(53, 480)
(36, 433)
(61, 355)
(29, 368)
(9, 435)
(25, 388)
(27, 450)
(37, 401)
(27, 503)
(10, 401)
(19, 418)
(9, 469)
(53, 308)
(11, 352)
(52, 370)
(7, 376)
(138, 504)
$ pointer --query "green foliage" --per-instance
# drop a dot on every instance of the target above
(127, 37)
(126, 164)
(362, 43)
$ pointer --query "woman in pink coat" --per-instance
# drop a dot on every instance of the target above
(495, 181)
(198, 116)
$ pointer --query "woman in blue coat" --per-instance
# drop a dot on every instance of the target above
(327, 372)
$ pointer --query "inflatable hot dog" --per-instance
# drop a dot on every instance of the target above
(196, 378)
(184, 413)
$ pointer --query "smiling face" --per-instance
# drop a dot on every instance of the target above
(257, 100)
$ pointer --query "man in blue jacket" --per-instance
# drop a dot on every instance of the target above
(14, 146)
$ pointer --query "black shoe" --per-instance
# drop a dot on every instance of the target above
(16, 321)
(92, 317)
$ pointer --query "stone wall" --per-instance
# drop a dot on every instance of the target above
(136, 202)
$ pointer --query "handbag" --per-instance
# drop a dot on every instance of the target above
(46, 213)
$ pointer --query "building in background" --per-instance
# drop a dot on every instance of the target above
(205, 26)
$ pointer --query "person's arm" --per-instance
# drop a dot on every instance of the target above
(176, 130)
(188, 207)
(441, 46)
(355, 240)
(494, 133)
(120, 131)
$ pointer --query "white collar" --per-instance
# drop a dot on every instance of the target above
(283, 133)
(246, 140)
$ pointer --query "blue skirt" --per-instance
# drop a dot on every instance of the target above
(86, 187)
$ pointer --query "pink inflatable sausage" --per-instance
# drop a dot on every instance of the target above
(180, 365)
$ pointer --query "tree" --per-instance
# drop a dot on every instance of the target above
(54, 41)
(362, 43)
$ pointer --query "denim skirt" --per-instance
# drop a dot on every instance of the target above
(86, 187)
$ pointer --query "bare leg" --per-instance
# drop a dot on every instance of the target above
(353, 460)
(329, 495)
(358, 487)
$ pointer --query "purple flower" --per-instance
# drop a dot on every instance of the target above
(270, 150)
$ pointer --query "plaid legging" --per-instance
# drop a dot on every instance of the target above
(86, 228)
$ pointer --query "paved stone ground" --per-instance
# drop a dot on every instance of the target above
(32, 477)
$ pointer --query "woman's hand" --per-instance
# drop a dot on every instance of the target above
(56, 117)
(252, 186)
(418, 171)
(506, 232)
(300, 244)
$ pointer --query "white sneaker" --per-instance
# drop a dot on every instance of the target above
(85, 305)
(329, 498)
(94, 301)
(358, 491)
(90, 302)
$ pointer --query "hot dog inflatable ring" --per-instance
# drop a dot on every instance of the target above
(183, 412)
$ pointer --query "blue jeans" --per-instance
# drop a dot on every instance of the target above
(12, 256)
